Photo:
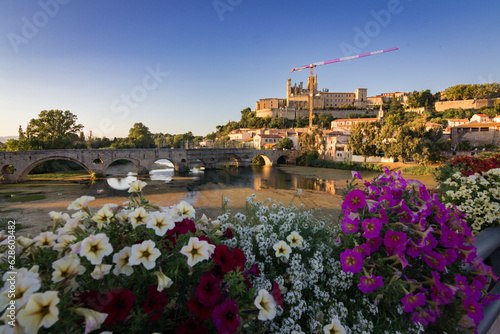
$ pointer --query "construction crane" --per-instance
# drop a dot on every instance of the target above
(310, 82)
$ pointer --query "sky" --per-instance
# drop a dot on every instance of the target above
(190, 65)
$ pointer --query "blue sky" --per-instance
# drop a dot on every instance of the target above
(189, 65)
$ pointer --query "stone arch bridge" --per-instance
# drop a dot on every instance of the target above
(15, 166)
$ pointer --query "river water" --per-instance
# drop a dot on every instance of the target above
(164, 178)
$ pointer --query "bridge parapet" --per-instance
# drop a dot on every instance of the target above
(15, 166)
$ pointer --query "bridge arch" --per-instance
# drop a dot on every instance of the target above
(267, 160)
(134, 161)
(28, 169)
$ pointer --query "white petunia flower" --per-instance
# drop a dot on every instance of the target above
(161, 222)
(196, 251)
(63, 242)
(67, 267)
(282, 249)
(104, 215)
(295, 239)
(145, 253)
(41, 310)
(335, 327)
(121, 259)
(81, 203)
(266, 304)
(45, 239)
(136, 186)
(95, 247)
(163, 280)
(100, 271)
(26, 283)
(138, 217)
(93, 319)
(185, 210)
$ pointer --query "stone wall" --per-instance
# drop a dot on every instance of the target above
(292, 113)
(465, 104)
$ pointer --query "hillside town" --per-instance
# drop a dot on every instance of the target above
(474, 126)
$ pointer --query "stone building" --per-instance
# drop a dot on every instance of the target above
(476, 134)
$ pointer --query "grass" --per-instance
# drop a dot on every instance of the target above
(10, 210)
(57, 175)
(26, 198)
(419, 170)
(4, 223)
(9, 193)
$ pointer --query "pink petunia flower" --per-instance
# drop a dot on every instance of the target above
(411, 301)
(371, 228)
(368, 284)
(351, 261)
(395, 240)
(226, 317)
(356, 199)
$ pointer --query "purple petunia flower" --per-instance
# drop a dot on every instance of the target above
(474, 310)
(371, 228)
(434, 260)
(226, 317)
(424, 317)
(354, 200)
(411, 301)
(351, 261)
(395, 240)
(356, 175)
(368, 284)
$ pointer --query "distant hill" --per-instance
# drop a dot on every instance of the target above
(3, 139)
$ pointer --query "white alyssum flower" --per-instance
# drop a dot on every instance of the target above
(196, 251)
(145, 253)
(95, 247)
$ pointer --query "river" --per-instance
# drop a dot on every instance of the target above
(205, 189)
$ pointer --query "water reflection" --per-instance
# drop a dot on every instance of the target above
(256, 177)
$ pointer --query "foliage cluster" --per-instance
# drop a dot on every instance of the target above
(476, 91)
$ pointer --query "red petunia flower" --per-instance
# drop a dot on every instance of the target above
(276, 293)
(224, 257)
(209, 292)
(155, 302)
(226, 317)
(201, 311)
(190, 326)
(117, 304)
(240, 258)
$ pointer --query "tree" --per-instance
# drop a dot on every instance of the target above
(285, 144)
(53, 129)
(140, 136)
(365, 139)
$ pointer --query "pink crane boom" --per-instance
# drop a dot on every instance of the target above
(313, 65)
(336, 60)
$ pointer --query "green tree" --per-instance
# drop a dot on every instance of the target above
(365, 139)
(53, 129)
(285, 144)
(140, 136)
(324, 120)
